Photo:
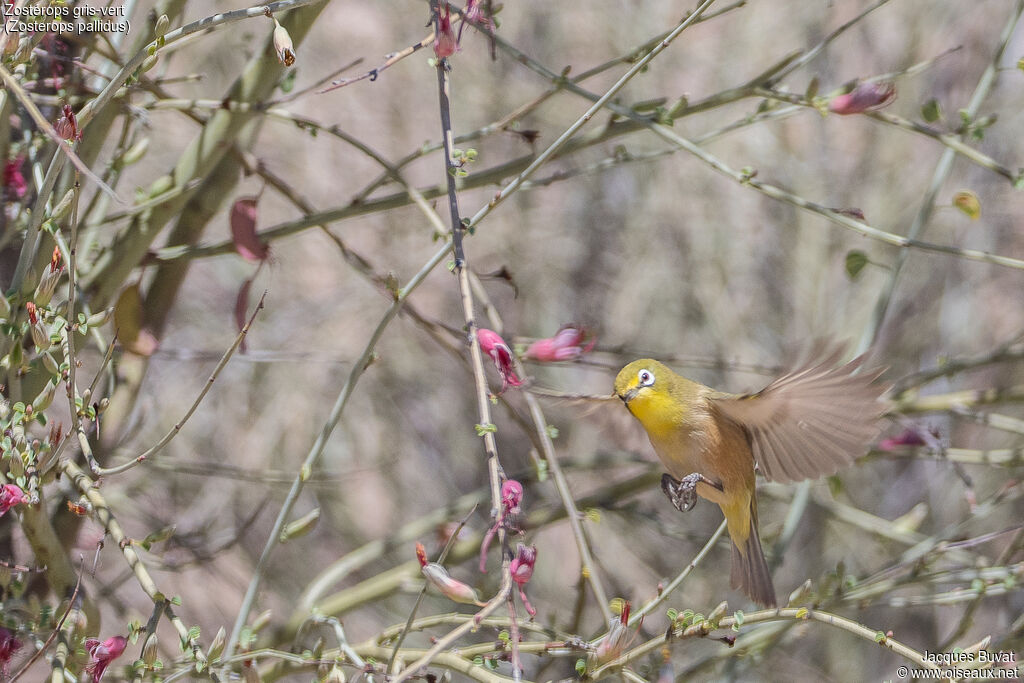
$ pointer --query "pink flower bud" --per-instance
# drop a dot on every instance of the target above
(617, 640)
(102, 654)
(522, 565)
(511, 496)
(11, 495)
(569, 343)
(438, 576)
(865, 97)
(522, 570)
(67, 126)
(494, 346)
(475, 13)
(445, 42)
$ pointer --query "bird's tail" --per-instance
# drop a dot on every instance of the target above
(749, 569)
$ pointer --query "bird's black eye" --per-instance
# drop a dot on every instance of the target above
(646, 378)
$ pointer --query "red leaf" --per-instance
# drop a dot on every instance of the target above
(243, 230)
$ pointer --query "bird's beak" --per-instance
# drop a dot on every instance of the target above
(629, 395)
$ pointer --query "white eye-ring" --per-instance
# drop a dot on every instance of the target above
(646, 378)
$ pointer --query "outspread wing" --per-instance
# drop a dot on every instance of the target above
(812, 421)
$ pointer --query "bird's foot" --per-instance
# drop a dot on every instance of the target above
(683, 492)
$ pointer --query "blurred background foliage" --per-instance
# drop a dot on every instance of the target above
(639, 242)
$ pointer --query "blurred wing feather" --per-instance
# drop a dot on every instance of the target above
(812, 421)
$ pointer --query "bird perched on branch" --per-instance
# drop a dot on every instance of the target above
(806, 424)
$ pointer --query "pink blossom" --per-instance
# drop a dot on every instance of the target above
(909, 437)
(102, 654)
(865, 97)
(67, 126)
(475, 13)
(511, 496)
(10, 495)
(522, 570)
(445, 42)
(14, 181)
(569, 343)
(437, 576)
(618, 638)
(494, 346)
(8, 646)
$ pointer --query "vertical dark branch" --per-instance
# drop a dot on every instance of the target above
(443, 91)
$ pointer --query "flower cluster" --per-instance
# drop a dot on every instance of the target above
(569, 343)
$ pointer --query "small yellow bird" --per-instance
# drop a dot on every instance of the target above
(806, 424)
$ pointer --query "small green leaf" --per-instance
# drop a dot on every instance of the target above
(552, 431)
(968, 202)
(672, 614)
(158, 536)
(301, 526)
(542, 470)
(738, 616)
(488, 428)
(581, 666)
(812, 89)
(931, 111)
(802, 613)
(879, 637)
(855, 262)
(1020, 63)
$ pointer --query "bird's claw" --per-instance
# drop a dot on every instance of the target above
(683, 492)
